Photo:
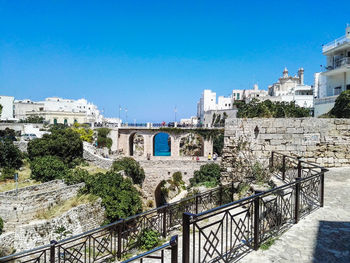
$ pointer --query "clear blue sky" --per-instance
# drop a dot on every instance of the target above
(149, 56)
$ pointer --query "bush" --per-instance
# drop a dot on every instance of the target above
(63, 143)
(218, 144)
(85, 133)
(341, 107)
(10, 155)
(48, 168)
(1, 226)
(119, 197)
(148, 239)
(131, 168)
(76, 176)
(269, 109)
(102, 138)
(208, 174)
(7, 173)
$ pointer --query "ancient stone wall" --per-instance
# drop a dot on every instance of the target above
(21, 208)
(322, 141)
(90, 154)
(40, 232)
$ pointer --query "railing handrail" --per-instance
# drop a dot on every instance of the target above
(334, 43)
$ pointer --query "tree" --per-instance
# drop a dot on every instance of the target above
(131, 167)
(63, 143)
(86, 134)
(208, 173)
(119, 197)
(218, 143)
(341, 107)
(10, 155)
(33, 119)
(102, 138)
(48, 168)
(0, 109)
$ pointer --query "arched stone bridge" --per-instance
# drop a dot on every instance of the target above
(124, 141)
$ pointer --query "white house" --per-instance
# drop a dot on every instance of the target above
(248, 94)
(336, 75)
(7, 108)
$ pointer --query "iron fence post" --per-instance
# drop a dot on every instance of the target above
(232, 191)
(256, 222)
(284, 168)
(52, 250)
(174, 249)
(297, 200)
(271, 161)
(322, 187)
(197, 204)
(299, 167)
(220, 194)
(164, 220)
(120, 232)
(186, 219)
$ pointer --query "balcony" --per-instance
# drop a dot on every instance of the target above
(339, 66)
(338, 42)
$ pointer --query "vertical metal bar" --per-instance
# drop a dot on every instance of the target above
(164, 221)
(299, 167)
(197, 204)
(52, 251)
(322, 187)
(119, 249)
(174, 249)
(256, 222)
(232, 191)
(284, 168)
(186, 218)
(162, 256)
(297, 200)
(220, 194)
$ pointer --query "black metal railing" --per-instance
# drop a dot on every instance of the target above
(172, 245)
(225, 233)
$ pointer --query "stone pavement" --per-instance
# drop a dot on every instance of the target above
(322, 236)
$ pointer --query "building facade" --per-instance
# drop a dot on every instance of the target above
(335, 77)
(248, 94)
(7, 108)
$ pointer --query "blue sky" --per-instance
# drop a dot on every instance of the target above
(150, 56)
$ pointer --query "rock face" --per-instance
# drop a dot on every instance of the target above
(138, 145)
(91, 155)
(191, 145)
(322, 141)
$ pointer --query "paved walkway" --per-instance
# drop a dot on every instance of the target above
(323, 236)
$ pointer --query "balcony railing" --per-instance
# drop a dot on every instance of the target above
(335, 43)
(345, 61)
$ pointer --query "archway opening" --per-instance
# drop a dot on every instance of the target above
(136, 144)
(192, 145)
(162, 144)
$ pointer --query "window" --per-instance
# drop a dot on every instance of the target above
(348, 87)
(75, 121)
(55, 121)
(238, 96)
(337, 90)
(65, 122)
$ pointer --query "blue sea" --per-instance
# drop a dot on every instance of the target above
(161, 147)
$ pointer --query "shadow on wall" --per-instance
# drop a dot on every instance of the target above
(333, 242)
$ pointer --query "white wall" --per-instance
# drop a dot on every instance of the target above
(7, 107)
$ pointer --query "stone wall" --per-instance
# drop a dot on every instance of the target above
(90, 154)
(40, 232)
(322, 141)
(20, 209)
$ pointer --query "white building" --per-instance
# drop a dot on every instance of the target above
(248, 94)
(207, 102)
(336, 75)
(22, 108)
(292, 88)
(7, 108)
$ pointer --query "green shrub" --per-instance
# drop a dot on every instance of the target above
(86, 134)
(260, 173)
(7, 173)
(10, 155)
(1, 225)
(207, 173)
(102, 138)
(63, 143)
(341, 107)
(119, 197)
(48, 168)
(131, 167)
(76, 176)
(177, 179)
(148, 239)
(218, 144)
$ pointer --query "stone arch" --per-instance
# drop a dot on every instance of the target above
(170, 142)
(136, 144)
(191, 144)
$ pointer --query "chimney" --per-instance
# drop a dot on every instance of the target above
(301, 76)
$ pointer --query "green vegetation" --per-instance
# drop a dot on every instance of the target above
(148, 239)
(341, 107)
(10, 159)
(268, 243)
(8, 134)
(219, 121)
(1, 225)
(119, 197)
(48, 168)
(131, 167)
(208, 174)
(269, 109)
(102, 138)
(33, 119)
(62, 143)
(86, 134)
(218, 144)
(261, 174)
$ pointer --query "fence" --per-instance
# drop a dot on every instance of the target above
(214, 225)
(225, 233)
